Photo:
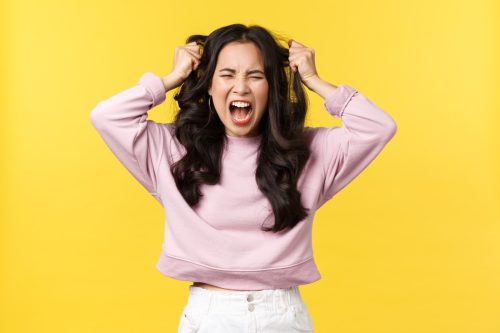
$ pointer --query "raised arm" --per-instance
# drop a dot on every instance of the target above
(121, 122)
(121, 119)
(347, 150)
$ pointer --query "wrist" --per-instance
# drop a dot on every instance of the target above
(312, 82)
(172, 81)
(320, 86)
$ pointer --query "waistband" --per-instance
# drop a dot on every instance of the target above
(270, 300)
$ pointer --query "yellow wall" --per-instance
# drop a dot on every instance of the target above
(411, 245)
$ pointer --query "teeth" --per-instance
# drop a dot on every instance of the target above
(240, 104)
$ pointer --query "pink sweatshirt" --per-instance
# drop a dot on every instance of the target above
(219, 241)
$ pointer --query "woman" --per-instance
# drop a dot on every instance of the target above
(238, 174)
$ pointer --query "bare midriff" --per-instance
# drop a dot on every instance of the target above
(212, 287)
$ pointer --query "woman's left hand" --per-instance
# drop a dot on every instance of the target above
(301, 59)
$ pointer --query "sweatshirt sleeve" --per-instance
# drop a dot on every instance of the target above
(347, 150)
(121, 122)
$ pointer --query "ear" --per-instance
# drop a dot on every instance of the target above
(210, 88)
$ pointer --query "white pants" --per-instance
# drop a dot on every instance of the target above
(259, 311)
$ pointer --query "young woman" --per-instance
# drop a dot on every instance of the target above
(238, 173)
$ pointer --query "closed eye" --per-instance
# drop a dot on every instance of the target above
(252, 77)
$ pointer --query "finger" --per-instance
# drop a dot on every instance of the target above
(194, 48)
(299, 52)
(293, 43)
(306, 56)
(297, 57)
(194, 53)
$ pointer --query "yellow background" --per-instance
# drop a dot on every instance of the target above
(411, 245)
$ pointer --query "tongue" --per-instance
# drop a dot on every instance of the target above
(240, 113)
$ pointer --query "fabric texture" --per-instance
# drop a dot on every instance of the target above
(219, 241)
(266, 311)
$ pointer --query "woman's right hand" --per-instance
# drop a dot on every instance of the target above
(186, 59)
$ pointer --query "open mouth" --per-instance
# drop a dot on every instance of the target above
(240, 113)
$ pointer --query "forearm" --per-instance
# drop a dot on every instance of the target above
(320, 86)
(171, 81)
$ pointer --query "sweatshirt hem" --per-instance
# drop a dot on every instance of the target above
(267, 278)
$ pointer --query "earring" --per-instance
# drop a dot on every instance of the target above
(209, 100)
(210, 111)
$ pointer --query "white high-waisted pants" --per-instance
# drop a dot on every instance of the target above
(259, 311)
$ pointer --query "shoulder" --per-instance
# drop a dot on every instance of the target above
(316, 135)
(173, 148)
(165, 130)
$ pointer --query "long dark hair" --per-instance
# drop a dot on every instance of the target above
(283, 151)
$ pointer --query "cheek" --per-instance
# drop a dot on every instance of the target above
(263, 96)
(262, 92)
(218, 86)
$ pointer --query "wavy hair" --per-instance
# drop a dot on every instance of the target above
(283, 151)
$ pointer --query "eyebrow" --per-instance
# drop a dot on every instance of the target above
(252, 71)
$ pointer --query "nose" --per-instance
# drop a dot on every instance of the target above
(241, 86)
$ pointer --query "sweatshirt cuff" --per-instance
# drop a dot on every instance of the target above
(336, 102)
(154, 85)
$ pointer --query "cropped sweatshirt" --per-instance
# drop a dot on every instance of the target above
(219, 241)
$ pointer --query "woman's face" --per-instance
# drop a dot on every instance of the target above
(239, 76)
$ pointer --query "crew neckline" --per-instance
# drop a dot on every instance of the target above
(251, 140)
